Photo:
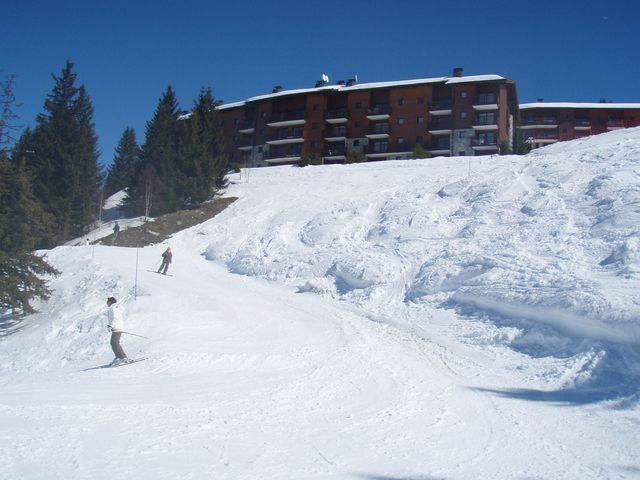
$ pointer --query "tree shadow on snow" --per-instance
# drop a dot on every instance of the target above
(10, 324)
(569, 396)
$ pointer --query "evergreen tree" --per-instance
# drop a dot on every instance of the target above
(7, 114)
(62, 154)
(520, 146)
(22, 224)
(158, 169)
(419, 151)
(203, 162)
(121, 173)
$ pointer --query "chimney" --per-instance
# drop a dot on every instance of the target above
(540, 100)
(340, 82)
(276, 89)
(351, 81)
(457, 72)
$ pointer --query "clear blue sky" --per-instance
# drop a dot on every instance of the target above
(127, 51)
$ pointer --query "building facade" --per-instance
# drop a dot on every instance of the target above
(544, 123)
(455, 115)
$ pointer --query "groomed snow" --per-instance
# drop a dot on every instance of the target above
(391, 320)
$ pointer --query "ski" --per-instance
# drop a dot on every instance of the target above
(110, 365)
(165, 274)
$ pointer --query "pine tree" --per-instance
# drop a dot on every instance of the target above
(121, 173)
(157, 171)
(22, 223)
(203, 162)
(62, 154)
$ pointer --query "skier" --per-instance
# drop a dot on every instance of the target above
(116, 231)
(115, 327)
(166, 260)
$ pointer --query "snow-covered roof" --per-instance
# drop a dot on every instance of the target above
(225, 106)
(606, 106)
(366, 86)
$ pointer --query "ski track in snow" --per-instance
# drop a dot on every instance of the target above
(396, 320)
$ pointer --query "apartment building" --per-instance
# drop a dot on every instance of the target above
(455, 115)
(543, 123)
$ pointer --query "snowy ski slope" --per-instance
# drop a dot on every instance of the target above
(448, 318)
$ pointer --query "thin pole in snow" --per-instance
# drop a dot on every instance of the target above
(135, 288)
(469, 172)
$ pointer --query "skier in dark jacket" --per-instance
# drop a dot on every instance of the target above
(116, 231)
(166, 260)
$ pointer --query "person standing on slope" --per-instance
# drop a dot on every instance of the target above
(115, 326)
(116, 231)
(166, 260)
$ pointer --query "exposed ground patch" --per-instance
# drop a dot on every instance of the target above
(164, 226)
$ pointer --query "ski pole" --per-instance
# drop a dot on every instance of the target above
(134, 334)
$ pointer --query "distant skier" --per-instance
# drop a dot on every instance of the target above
(115, 327)
(116, 231)
(166, 260)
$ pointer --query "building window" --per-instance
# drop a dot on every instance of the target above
(462, 134)
(358, 104)
(461, 154)
(356, 143)
(420, 120)
(464, 114)
(260, 149)
(400, 121)
(400, 140)
(262, 130)
(420, 101)
(357, 124)
(401, 101)
(464, 95)
(486, 118)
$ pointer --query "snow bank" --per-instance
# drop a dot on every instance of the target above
(551, 237)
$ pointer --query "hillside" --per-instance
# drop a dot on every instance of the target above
(440, 318)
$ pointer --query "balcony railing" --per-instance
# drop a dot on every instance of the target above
(379, 109)
(486, 120)
(283, 153)
(338, 151)
(441, 104)
(379, 128)
(441, 125)
(581, 122)
(486, 99)
(287, 135)
(539, 121)
(545, 134)
(337, 113)
(287, 116)
(378, 147)
(439, 146)
(336, 132)
(483, 142)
